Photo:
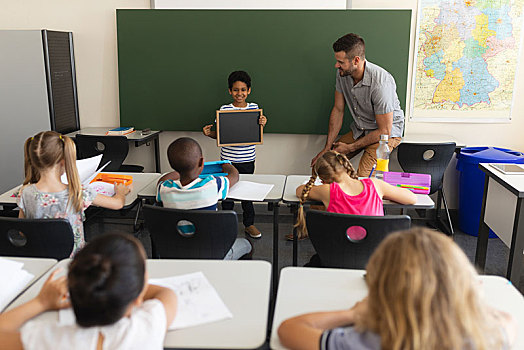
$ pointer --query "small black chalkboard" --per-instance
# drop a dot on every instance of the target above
(239, 127)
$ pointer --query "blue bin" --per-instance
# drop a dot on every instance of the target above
(471, 182)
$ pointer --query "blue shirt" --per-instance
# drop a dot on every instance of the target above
(199, 194)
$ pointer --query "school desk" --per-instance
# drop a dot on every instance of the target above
(503, 211)
(35, 266)
(137, 137)
(242, 285)
(293, 181)
(303, 290)
(274, 197)
(140, 180)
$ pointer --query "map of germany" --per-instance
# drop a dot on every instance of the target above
(467, 53)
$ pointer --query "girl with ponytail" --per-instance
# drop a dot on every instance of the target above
(114, 306)
(47, 155)
(342, 191)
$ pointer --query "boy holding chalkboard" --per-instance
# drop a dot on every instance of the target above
(242, 157)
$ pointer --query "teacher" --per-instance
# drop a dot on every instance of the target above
(371, 95)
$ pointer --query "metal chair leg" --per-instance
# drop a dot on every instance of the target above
(439, 202)
(451, 231)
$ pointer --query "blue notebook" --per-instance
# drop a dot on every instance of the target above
(214, 168)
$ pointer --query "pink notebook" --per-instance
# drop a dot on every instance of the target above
(416, 183)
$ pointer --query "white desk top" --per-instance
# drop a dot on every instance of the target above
(134, 136)
(275, 195)
(293, 181)
(140, 180)
(149, 191)
(513, 182)
(430, 138)
(278, 182)
(35, 266)
(336, 289)
(242, 285)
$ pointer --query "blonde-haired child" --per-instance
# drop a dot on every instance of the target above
(342, 191)
(47, 155)
(424, 294)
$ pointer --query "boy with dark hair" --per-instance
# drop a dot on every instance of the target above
(242, 157)
(184, 189)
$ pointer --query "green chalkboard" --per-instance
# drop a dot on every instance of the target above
(173, 64)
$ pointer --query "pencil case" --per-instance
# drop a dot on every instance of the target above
(214, 168)
(114, 178)
(416, 183)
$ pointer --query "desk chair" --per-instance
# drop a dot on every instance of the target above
(190, 234)
(36, 238)
(347, 241)
(113, 148)
(433, 159)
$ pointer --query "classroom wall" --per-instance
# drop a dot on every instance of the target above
(94, 27)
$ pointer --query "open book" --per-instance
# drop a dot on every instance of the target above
(87, 172)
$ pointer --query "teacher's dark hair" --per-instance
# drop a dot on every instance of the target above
(352, 44)
(239, 75)
(104, 278)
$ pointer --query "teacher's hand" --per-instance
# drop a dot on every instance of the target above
(320, 154)
(342, 147)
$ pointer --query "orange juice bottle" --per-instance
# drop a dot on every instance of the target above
(382, 157)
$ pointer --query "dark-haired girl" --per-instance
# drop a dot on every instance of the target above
(114, 306)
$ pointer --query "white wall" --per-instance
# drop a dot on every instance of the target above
(94, 26)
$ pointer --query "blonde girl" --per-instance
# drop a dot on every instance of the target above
(342, 192)
(424, 294)
(43, 195)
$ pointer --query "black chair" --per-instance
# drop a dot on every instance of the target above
(190, 234)
(113, 148)
(36, 238)
(330, 235)
(433, 159)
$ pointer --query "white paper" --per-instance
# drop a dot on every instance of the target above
(198, 302)
(317, 182)
(87, 181)
(13, 279)
(86, 168)
(247, 190)
(104, 188)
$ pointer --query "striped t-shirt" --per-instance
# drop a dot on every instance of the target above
(199, 194)
(238, 154)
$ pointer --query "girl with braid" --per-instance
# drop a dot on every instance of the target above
(47, 156)
(342, 191)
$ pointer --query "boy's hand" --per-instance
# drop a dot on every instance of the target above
(207, 129)
(53, 295)
(208, 132)
(262, 120)
(121, 189)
